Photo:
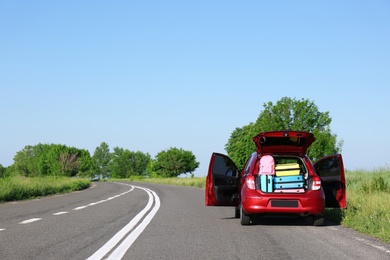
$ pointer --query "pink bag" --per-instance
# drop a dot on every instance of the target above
(267, 165)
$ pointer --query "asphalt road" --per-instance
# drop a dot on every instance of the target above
(146, 221)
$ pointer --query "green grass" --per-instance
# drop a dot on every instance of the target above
(368, 203)
(21, 188)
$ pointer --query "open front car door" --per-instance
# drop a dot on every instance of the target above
(222, 182)
(331, 171)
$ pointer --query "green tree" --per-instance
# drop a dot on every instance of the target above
(173, 162)
(100, 160)
(26, 161)
(126, 163)
(286, 114)
(2, 171)
(150, 169)
(86, 163)
(66, 161)
(51, 159)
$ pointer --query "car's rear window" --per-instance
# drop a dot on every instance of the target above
(277, 141)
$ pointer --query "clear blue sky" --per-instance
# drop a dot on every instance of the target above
(150, 75)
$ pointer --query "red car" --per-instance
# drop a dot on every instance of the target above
(294, 185)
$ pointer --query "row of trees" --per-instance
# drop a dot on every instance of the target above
(61, 160)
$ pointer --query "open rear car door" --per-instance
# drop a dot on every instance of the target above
(331, 171)
(222, 181)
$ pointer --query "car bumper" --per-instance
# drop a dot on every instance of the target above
(308, 203)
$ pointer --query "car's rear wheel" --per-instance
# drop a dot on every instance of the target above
(245, 219)
(318, 220)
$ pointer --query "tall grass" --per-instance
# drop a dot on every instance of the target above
(20, 188)
(368, 203)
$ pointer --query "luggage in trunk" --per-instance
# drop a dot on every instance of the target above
(279, 179)
(289, 185)
(266, 183)
(267, 165)
(287, 169)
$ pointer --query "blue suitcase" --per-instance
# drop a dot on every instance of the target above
(267, 183)
(279, 179)
(289, 185)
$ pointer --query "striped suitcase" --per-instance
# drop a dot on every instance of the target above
(266, 183)
(289, 185)
(290, 191)
(287, 169)
(279, 179)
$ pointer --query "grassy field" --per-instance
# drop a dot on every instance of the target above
(368, 203)
(21, 188)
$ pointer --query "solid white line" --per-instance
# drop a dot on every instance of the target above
(125, 230)
(60, 213)
(29, 220)
(121, 250)
(122, 233)
(108, 199)
(2, 229)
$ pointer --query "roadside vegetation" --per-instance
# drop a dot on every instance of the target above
(22, 188)
(368, 207)
(46, 169)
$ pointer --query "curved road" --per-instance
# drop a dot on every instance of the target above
(149, 221)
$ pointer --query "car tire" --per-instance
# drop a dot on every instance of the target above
(245, 219)
(318, 220)
(237, 212)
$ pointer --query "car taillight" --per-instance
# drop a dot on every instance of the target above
(250, 182)
(315, 183)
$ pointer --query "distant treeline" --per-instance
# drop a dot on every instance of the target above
(61, 160)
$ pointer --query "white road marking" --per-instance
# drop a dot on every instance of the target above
(60, 213)
(121, 250)
(81, 207)
(108, 199)
(382, 248)
(78, 208)
(2, 229)
(129, 231)
(30, 220)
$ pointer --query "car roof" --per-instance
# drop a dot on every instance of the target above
(286, 141)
